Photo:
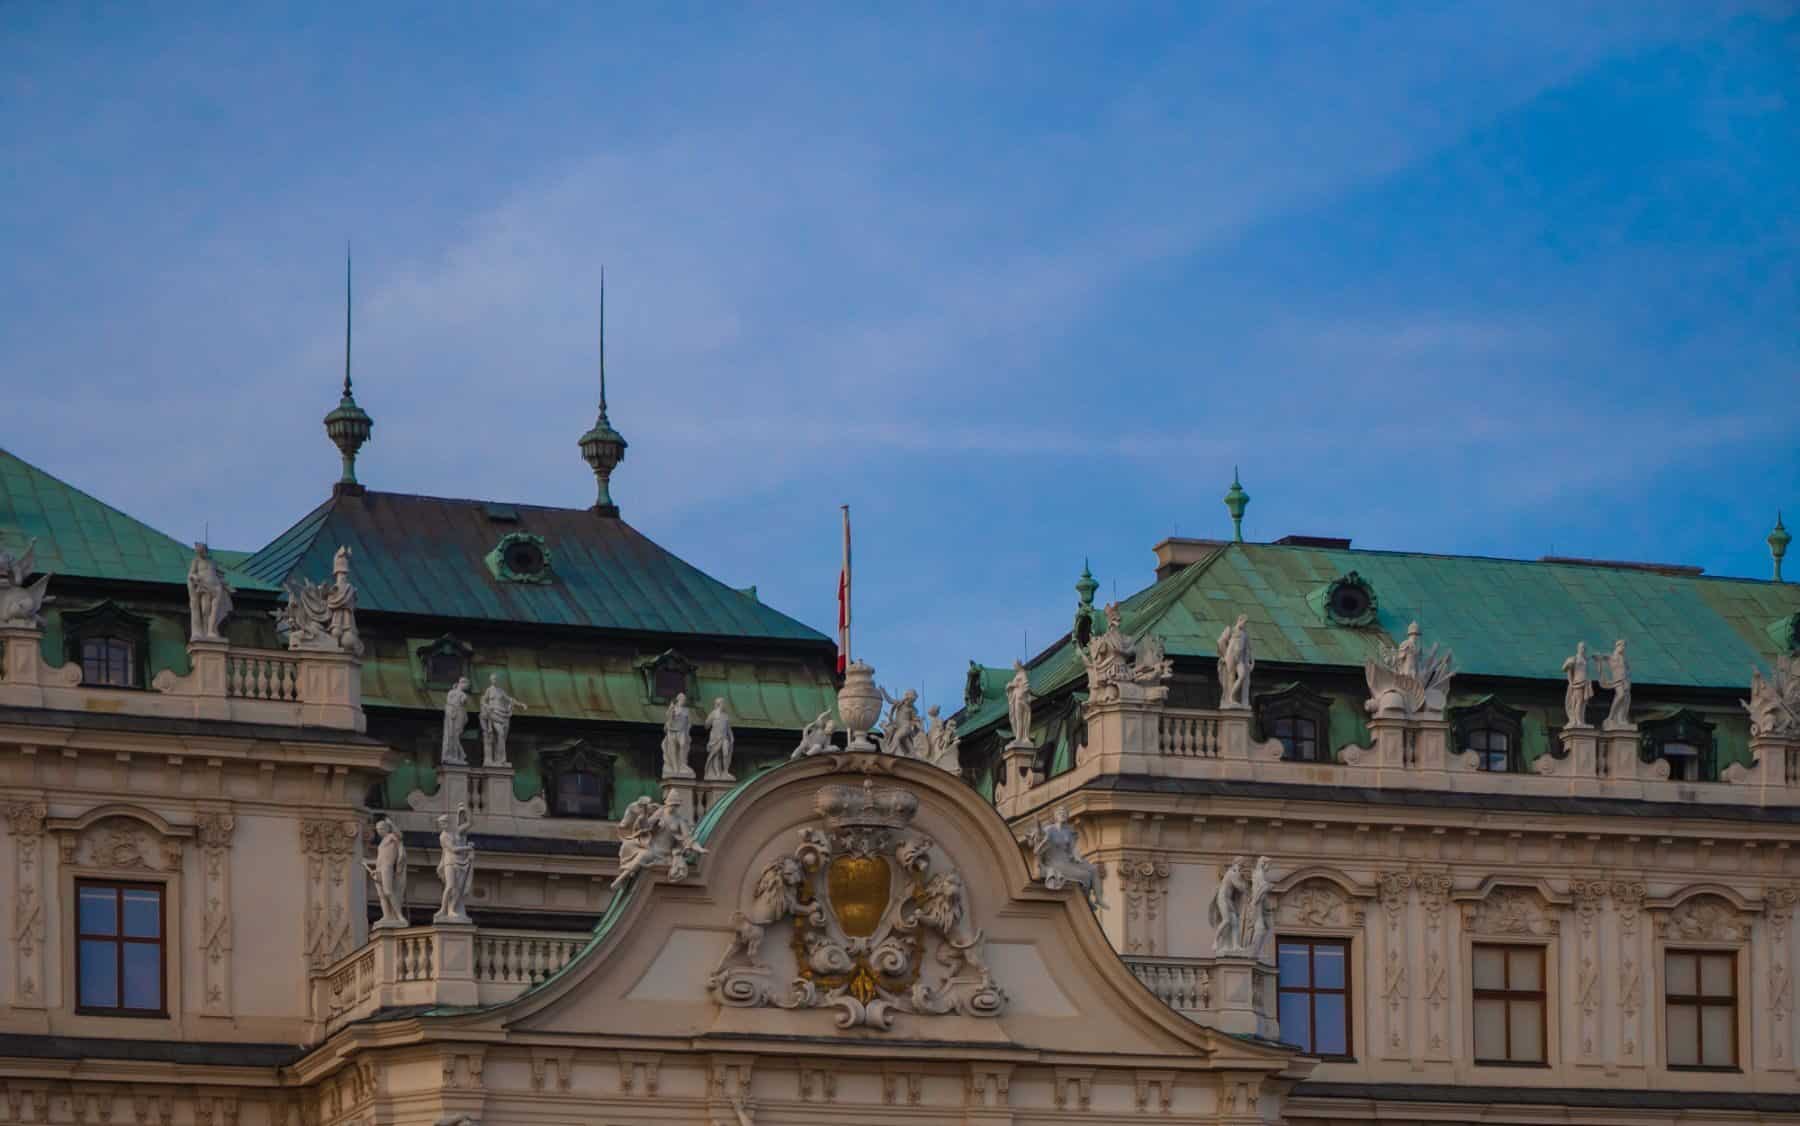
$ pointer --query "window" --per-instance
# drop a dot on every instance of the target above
(445, 660)
(1313, 994)
(1700, 994)
(1492, 730)
(1685, 742)
(119, 949)
(1298, 719)
(666, 676)
(1509, 1004)
(578, 780)
(581, 793)
(108, 661)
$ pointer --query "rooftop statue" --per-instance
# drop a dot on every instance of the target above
(1235, 664)
(1119, 668)
(1581, 686)
(456, 718)
(815, 737)
(388, 873)
(652, 835)
(1240, 910)
(209, 598)
(496, 722)
(1615, 673)
(321, 616)
(1774, 703)
(942, 745)
(677, 738)
(1018, 705)
(901, 734)
(456, 866)
(21, 604)
(1406, 682)
(1059, 859)
(720, 743)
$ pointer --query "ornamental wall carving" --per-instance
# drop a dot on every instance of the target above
(120, 838)
(1510, 911)
(1318, 903)
(1704, 918)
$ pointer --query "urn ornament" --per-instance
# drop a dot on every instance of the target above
(859, 704)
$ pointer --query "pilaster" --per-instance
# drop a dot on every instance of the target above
(336, 916)
(1396, 962)
(214, 829)
(25, 824)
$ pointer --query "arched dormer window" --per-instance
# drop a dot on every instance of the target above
(1492, 730)
(1684, 741)
(578, 781)
(667, 675)
(1299, 719)
(110, 644)
(444, 660)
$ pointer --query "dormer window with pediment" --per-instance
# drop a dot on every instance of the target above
(1493, 731)
(1299, 719)
(667, 675)
(1684, 741)
(578, 780)
(445, 660)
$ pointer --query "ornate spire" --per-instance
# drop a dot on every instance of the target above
(603, 447)
(1235, 502)
(348, 426)
(1086, 585)
(1778, 544)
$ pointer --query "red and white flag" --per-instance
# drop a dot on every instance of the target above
(844, 599)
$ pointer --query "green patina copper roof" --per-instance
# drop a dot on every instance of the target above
(80, 536)
(427, 556)
(1501, 617)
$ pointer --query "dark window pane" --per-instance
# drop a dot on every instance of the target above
(1291, 969)
(1296, 1024)
(1328, 967)
(99, 974)
(143, 913)
(99, 911)
(1330, 1025)
(143, 975)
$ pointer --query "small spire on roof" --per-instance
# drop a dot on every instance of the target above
(1235, 502)
(1086, 585)
(603, 447)
(1778, 544)
(348, 425)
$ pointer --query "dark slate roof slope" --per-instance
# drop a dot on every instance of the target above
(78, 535)
(427, 556)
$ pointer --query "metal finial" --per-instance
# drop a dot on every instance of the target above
(603, 342)
(1778, 544)
(602, 447)
(348, 425)
(346, 318)
(1236, 500)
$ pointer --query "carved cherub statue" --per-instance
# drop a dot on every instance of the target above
(815, 737)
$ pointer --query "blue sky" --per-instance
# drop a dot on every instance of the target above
(1019, 283)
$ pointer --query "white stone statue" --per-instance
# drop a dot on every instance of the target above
(1018, 705)
(388, 873)
(777, 897)
(1580, 688)
(900, 734)
(1774, 703)
(496, 722)
(1227, 911)
(721, 744)
(651, 834)
(1405, 682)
(21, 604)
(1120, 669)
(1615, 674)
(456, 717)
(1235, 664)
(1060, 864)
(209, 597)
(456, 866)
(942, 743)
(320, 616)
(815, 737)
(1255, 924)
(678, 734)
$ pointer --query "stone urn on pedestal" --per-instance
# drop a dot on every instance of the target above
(859, 704)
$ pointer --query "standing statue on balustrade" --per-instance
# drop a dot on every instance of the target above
(388, 873)
(678, 734)
(209, 598)
(721, 744)
(1018, 705)
(496, 722)
(456, 718)
(1615, 674)
(456, 866)
(1235, 665)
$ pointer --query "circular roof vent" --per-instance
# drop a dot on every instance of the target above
(520, 557)
(1349, 600)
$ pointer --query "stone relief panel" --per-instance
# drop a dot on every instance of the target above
(1317, 903)
(330, 846)
(1433, 889)
(1395, 889)
(120, 842)
(25, 824)
(879, 921)
(1510, 911)
(1146, 881)
(1628, 905)
(215, 830)
(1704, 918)
(1778, 912)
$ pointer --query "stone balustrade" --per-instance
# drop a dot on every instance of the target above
(276, 687)
(440, 964)
(1235, 995)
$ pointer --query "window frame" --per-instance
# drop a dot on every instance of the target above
(1494, 716)
(119, 942)
(1687, 728)
(1507, 996)
(110, 622)
(1311, 991)
(1699, 1002)
(1296, 701)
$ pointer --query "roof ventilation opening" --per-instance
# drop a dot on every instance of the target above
(1315, 541)
(1624, 565)
(501, 513)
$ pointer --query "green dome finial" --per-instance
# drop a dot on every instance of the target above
(1778, 544)
(1235, 502)
(603, 447)
(348, 425)
(1086, 585)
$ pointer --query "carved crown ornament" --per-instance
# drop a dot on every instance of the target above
(120, 838)
(878, 921)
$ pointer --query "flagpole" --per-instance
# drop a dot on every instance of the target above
(846, 608)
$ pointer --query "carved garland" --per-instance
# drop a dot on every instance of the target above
(866, 899)
(25, 823)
